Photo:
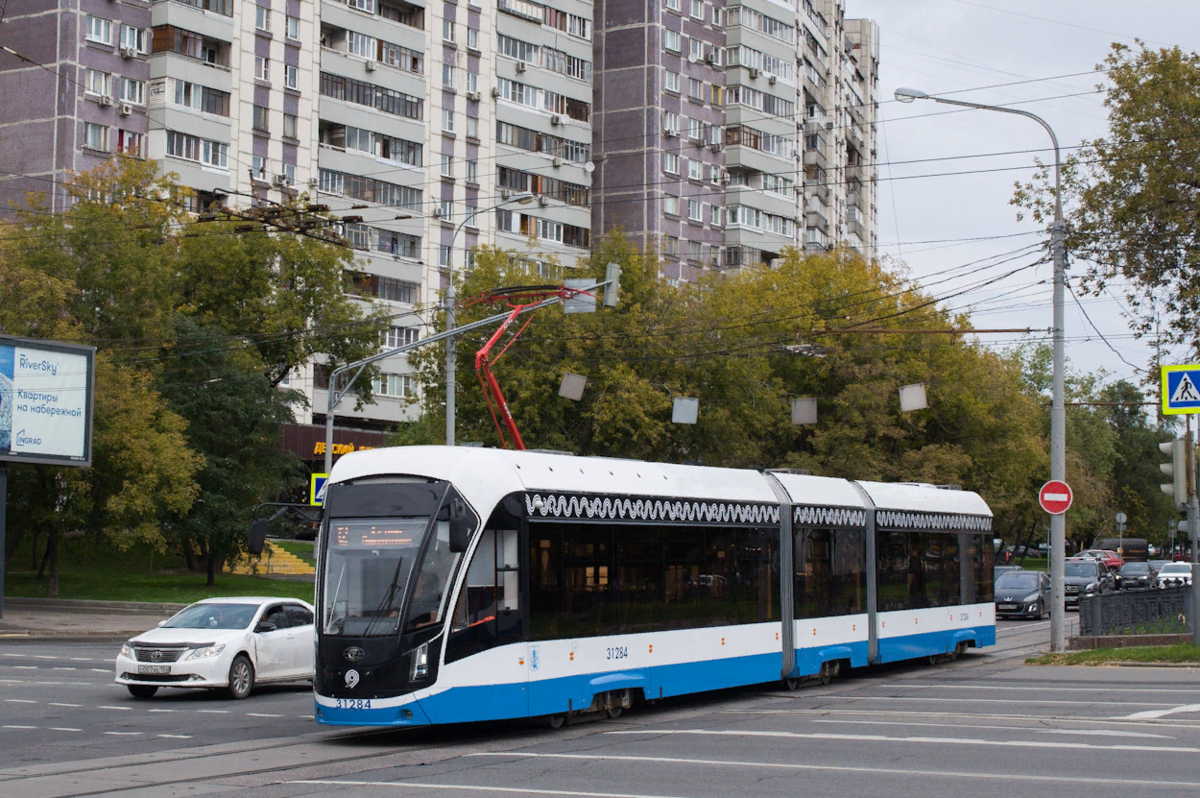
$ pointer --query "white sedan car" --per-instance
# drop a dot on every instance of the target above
(229, 643)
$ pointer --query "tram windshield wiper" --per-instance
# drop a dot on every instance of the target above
(388, 598)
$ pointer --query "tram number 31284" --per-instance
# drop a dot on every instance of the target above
(618, 652)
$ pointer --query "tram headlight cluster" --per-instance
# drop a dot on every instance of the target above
(420, 662)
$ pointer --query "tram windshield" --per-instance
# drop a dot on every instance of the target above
(367, 568)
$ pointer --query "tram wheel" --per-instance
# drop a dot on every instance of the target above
(615, 712)
(556, 721)
(826, 672)
(791, 684)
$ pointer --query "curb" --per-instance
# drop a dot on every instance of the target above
(84, 605)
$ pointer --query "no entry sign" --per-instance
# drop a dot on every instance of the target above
(1055, 497)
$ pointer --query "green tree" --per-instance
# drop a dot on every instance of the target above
(234, 415)
(1131, 195)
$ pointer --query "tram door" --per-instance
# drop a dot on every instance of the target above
(489, 628)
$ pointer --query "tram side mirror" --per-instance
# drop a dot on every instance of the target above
(258, 536)
(460, 526)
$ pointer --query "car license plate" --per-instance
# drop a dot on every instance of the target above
(156, 670)
(1006, 606)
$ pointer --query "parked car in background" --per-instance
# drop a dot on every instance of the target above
(1137, 575)
(1106, 556)
(1085, 576)
(229, 643)
(1175, 574)
(1023, 594)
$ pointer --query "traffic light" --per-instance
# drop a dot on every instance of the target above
(1176, 469)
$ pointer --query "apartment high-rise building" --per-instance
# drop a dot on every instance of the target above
(720, 133)
(726, 133)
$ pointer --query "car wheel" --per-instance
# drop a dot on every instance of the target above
(142, 690)
(241, 677)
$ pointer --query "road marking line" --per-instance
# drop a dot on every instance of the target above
(1100, 732)
(1025, 689)
(121, 709)
(478, 788)
(53, 704)
(84, 659)
(24, 667)
(994, 777)
(175, 736)
(938, 740)
(215, 711)
(63, 728)
(124, 734)
(164, 710)
(43, 656)
(1037, 701)
(1158, 713)
(18, 727)
(264, 715)
(19, 701)
(65, 668)
(100, 670)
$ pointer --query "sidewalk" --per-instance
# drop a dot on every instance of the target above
(61, 619)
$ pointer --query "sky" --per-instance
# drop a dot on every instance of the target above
(1040, 54)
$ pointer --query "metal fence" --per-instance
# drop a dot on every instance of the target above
(1137, 612)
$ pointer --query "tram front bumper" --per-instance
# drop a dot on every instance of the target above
(401, 711)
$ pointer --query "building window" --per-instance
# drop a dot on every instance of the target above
(135, 38)
(262, 18)
(401, 336)
(444, 255)
(472, 171)
(671, 204)
(472, 221)
(695, 169)
(671, 163)
(448, 76)
(95, 137)
(262, 68)
(696, 89)
(695, 251)
(446, 209)
(289, 173)
(393, 385)
(131, 143)
(715, 174)
(695, 210)
(672, 81)
(293, 27)
(447, 120)
(673, 5)
(695, 48)
(99, 30)
(448, 166)
(714, 216)
(214, 153)
(258, 165)
(670, 122)
(695, 130)
(133, 91)
(697, 9)
(472, 38)
(447, 30)
(472, 127)
(290, 125)
(671, 41)
(291, 75)
(98, 82)
(261, 117)
(717, 95)
(472, 81)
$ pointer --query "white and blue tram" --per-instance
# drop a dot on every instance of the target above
(461, 584)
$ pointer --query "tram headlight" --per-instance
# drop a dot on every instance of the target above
(420, 662)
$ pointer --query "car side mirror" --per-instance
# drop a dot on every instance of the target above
(460, 526)
(265, 626)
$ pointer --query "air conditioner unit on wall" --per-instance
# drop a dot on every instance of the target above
(370, 65)
(710, 57)
(495, 92)
(105, 101)
(556, 120)
(543, 202)
(279, 180)
(473, 96)
(128, 52)
(520, 66)
(753, 72)
(670, 132)
(556, 161)
(126, 109)
(771, 80)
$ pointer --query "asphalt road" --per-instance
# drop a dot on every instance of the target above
(985, 725)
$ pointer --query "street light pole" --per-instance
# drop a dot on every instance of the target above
(1058, 415)
(521, 198)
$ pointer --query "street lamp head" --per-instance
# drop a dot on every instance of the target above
(908, 95)
(523, 198)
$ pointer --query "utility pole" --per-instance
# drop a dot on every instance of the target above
(1193, 520)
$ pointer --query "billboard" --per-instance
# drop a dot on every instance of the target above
(46, 402)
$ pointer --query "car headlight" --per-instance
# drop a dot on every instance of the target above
(206, 652)
(127, 649)
(420, 662)
(1032, 597)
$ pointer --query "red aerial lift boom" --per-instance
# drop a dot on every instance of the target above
(518, 299)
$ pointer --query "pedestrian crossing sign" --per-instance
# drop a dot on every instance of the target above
(1181, 389)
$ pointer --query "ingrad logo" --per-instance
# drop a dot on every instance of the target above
(24, 440)
(351, 678)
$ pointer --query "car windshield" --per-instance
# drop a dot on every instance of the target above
(1080, 569)
(212, 615)
(1176, 568)
(1017, 580)
(366, 572)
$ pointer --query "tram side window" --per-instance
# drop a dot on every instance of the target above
(830, 577)
(921, 569)
(640, 576)
(941, 569)
(484, 615)
(588, 579)
(984, 575)
(683, 599)
(547, 599)
(720, 580)
(758, 575)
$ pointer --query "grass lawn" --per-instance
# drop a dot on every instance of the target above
(91, 569)
(1181, 653)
